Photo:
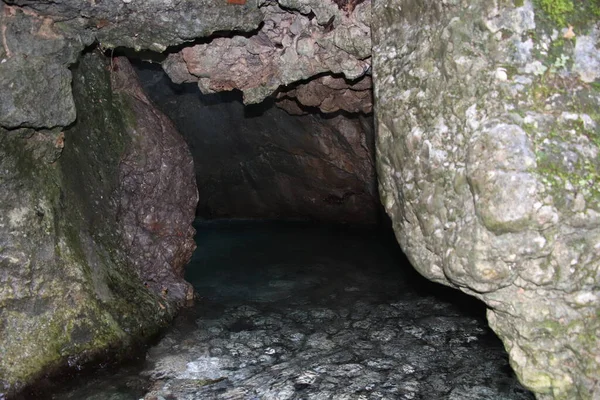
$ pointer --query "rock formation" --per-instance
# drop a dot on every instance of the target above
(488, 142)
(329, 94)
(158, 195)
(487, 153)
(288, 47)
(264, 163)
(89, 216)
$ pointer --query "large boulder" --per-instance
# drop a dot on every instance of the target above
(75, 221)
(157, 193)
(488, 141)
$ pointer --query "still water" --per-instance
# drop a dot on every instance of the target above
(300, 311)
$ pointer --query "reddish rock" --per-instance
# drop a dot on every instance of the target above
(329, 94)
(158, 193)
(289, 47)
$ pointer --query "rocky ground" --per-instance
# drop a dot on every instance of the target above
(303, 312)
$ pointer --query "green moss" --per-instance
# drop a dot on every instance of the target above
(565, 94)
(536, 380)
(562, 13)
(127, 112)
(583, 176)
(557, 10)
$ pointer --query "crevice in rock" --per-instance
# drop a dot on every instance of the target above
(332, 94)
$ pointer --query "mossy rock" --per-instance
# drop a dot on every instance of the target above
(67, 295)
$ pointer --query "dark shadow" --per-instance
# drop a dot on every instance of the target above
(467, 305)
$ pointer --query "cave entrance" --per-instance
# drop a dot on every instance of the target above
(302, 290)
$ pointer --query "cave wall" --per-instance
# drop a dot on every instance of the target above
(488, 160)
(71, 284)
(261, 162)
(102, 269)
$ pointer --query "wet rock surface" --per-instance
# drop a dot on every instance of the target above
(304, 312)
(260, 162)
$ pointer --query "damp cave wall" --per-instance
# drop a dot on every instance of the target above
(261, 162)
(72, 194)
(68, 295)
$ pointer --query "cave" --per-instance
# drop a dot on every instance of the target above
(300, 288)
(322, 169)
(290, 199)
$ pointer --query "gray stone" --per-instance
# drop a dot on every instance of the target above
(68, 292)
(488, 181)
(35, 85)
(147, 25)
(41, 39)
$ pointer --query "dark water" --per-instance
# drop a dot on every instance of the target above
(299, 311)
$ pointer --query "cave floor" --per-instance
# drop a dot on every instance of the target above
(295, 311)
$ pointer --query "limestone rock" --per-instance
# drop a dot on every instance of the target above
(40, 40)
(35, 85)
(69, 288)
(287, 48)
(488, 166)
(152, 25)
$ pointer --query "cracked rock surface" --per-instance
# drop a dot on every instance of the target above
(488, 161)
(40, 40)
(287, 48)
(304, 312)
(79, 232)
(152, 25)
